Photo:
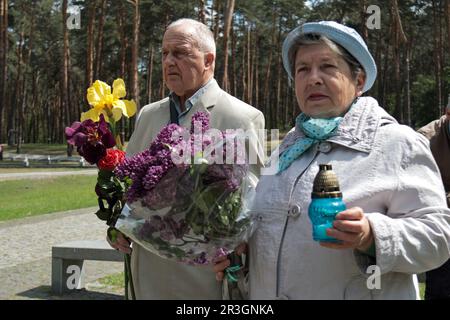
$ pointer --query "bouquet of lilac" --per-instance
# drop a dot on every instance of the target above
(189, 193)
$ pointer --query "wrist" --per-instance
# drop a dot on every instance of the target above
(367, 240)
(367, 244)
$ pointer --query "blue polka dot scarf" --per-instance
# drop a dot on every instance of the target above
(316, 130)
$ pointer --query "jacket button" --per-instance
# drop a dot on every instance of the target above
(325, 147)
(294, 211)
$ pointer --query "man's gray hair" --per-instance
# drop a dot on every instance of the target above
(201, 33)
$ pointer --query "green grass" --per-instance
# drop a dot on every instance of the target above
(25, 198)
(24, 170)
(114, 280)
(40, 148)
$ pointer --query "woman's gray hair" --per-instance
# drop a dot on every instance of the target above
(201, 34)
(311, 38)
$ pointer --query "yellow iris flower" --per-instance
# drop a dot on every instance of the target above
(109, 104)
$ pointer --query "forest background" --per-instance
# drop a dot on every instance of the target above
(51, 51)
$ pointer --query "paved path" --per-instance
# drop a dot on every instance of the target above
(45, 174)
(25, 255)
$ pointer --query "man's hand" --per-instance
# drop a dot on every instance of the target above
(223, 262)
(120, 242)
(353, 229)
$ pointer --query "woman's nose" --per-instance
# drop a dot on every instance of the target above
(314, 77)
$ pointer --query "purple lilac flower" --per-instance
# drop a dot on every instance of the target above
(170, 135)
(135, 168)
(166, 235)
(157, 223)
(201, 259)
(91, 138)
(147, 168)
(179, 229)
(229, 176)
(201, 118)
(166, 193)
(220, 252)
(146, 230)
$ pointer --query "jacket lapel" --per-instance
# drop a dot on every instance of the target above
(357, 130)
(206, 102)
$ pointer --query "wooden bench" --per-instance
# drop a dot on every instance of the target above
(68, 262)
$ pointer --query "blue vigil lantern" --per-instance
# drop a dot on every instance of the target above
(326, 203)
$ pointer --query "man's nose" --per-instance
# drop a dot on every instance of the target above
(168, 59)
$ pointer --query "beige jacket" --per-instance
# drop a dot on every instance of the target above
(157, 278)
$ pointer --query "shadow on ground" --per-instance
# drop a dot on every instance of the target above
(45, 293)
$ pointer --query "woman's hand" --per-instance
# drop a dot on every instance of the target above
(352, 228)
(221, 263)
(120, 242)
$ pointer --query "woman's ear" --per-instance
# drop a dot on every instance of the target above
(360, 82)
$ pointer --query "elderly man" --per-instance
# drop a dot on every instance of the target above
(188, 58)
(438, 132)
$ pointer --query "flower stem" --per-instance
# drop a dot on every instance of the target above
(129, 278)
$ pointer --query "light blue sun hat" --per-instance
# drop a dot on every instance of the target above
(345, 36)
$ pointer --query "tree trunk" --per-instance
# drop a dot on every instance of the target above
(135, 54)
(276, 109)
(252, 69)
(399, 38)
(123, 56)
(12, 128)
(244, 51)
(447, 19)
(256, 68)
(22, 101)
(3, 60)
(363, 14)
(201, 12)
(441, 55)
(266, 102)
(150, 73)
(226, 33)
(385, 75)
(216, 18)
(90, 46)
(437, 60)
(98, 53)
(18, 93)
(65, 71)
(378, 54)
(233, 60)
(122, 39)
(408, 86)
(34, 130)
(249, 65)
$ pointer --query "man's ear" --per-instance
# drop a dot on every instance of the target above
(209, 60)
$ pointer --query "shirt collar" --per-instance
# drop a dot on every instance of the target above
(191, 101)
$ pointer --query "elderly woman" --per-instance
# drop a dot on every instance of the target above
(396, 223)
